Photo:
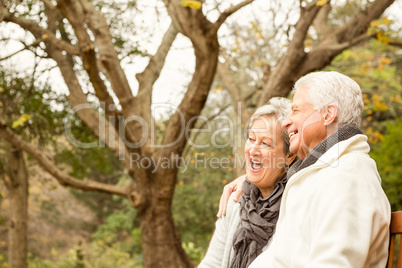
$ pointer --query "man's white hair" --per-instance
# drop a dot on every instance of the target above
(334, 88)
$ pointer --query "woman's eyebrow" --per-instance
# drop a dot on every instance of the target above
(262, 135)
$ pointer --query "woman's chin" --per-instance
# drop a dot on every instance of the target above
(253, 177)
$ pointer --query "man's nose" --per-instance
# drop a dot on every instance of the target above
(286, 123)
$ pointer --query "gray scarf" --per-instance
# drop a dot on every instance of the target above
(341, 134)
(258, 220)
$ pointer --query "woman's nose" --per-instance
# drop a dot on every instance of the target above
(255, 149)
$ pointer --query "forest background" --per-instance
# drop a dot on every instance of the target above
(100, 100)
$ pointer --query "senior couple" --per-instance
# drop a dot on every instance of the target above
(323, 208)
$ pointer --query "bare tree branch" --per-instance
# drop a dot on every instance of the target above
(342, 46)
(391, 42)
(40, 33)
(63, 178)
(203, 35)
(223, 72)
(320, 23)
(148, 77)
(151, 73)
(107, 55)
(361, 22)
(279, 78)
(34, 44)
(225, 14)
(87, 52)
(49, 5)
(395, 43)
(342, 38)
(298, 62)
(99, 124)
(193, 24)
(75, 11)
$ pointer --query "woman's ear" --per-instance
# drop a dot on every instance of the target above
(329, 114)
(290, 158)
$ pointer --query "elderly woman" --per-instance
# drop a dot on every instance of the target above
(244, 232)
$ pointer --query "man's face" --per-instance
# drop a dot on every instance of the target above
(304, 124)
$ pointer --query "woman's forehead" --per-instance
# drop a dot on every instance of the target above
(265, 124)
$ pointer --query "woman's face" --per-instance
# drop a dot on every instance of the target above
(265, 157)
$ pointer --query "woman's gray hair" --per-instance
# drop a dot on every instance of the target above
(334, 88)
(279, 108)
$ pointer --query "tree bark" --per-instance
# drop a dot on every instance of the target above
(16, 181)
(159, 237)
(160, 240)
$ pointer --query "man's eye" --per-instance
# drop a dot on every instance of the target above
(250, 139)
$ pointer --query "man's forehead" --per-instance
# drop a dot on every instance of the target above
(299, 100)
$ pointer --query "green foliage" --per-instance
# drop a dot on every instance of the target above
(388, 157)
(117, 227)
(94, 163)
(115, 243)
(195, 253)
(3, 261)
(99, 255)
(94, 255)
(121, 232)
(65, 262)
(200, 182)
(32, 107)
(29, 107)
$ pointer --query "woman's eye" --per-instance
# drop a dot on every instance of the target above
(266, 144)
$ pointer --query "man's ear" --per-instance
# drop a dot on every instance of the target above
(329, 114)
(289, 158)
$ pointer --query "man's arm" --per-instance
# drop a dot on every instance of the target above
(236, 187)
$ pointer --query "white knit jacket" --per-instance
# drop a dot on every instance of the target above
(333, 214)
(220, 251)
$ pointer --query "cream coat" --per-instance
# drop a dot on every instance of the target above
(334, 213)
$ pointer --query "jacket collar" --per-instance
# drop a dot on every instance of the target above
(333, 143)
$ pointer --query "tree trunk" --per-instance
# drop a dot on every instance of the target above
(16, 181)
(160, 240)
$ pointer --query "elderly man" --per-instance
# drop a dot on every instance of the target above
(334, 212)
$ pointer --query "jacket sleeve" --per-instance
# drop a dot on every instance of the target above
(220, 245)
(213, 257)
(349, 217)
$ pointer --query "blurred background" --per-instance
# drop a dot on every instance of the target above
(121, 121)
